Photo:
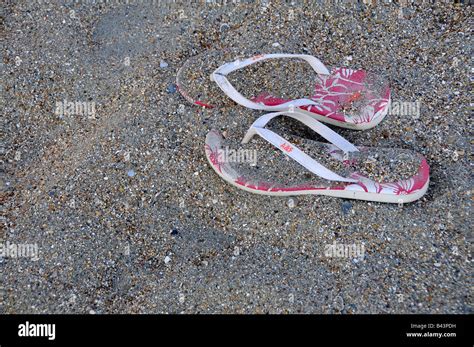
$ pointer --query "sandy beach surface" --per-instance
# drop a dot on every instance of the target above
(128, 217)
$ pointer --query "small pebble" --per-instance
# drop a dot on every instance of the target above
(339, 303)
(346, 207)
(224, 27)
(163, 64)
(174, 232)
(167, 259)
(171, 89)
(72, 299)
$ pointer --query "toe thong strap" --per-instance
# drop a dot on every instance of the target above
(219, 76)
(258, 127)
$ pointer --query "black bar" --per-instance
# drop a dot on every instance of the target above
(173, 329)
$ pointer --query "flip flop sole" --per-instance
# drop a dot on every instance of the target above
(403, 191)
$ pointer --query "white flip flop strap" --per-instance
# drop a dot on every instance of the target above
(312, 123)
(219, 76)
(294, 152)
(315, 63)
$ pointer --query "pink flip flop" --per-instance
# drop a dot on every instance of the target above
(364, 173)
(335, 92)
(353, 99)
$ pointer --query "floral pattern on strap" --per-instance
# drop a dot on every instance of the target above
(338, 90)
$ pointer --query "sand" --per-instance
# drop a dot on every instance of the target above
(128, 216)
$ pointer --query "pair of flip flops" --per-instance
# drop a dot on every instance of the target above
(343, 97)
